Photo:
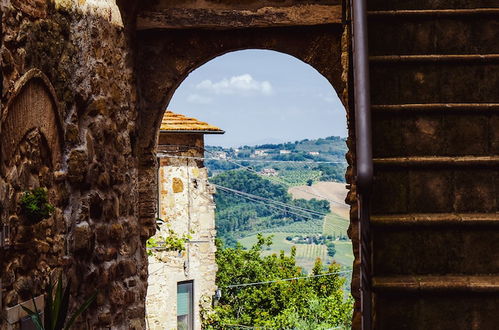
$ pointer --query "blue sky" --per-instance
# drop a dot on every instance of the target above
(260, 96)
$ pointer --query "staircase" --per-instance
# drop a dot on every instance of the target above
(435, 205)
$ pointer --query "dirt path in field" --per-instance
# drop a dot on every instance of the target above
(335, 192)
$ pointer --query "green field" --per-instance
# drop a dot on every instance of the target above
(306, 254)
(335, 224)
(299, 178)
(344, 253)
(299, 227)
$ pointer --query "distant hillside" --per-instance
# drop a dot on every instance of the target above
(296, 162)
(332, 191)
(236, 214)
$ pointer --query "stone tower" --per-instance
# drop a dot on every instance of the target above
(181, 284)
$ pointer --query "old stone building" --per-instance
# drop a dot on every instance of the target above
(84, 88)
(181, 283)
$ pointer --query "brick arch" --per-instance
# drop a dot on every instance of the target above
(33, 105)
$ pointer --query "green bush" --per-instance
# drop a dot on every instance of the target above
(35, 205)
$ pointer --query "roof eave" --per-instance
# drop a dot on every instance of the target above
(192, 131)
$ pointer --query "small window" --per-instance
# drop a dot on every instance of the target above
(185, 312)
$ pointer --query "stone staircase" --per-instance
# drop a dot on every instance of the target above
(435, 110)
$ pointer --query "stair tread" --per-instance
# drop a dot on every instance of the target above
(438, 160)
(435, 107)
(434, 58)
(433, 12)
(473, 283)
(419, 219)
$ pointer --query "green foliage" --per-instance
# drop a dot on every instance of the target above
(306, 303)
(35, 205)
(332, 172)
(331, 249)
(57, 308)
(171, 241)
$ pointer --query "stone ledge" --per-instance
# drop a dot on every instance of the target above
(182, 18)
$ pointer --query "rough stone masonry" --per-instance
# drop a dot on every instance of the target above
(82, 98)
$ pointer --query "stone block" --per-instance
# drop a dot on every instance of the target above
(430, 191)
(390, 192)
(466, 134)
(117, 294)
(81, 236)
(177, 185)
(423, 135)
(387, 136)
(126, 268)
(476, 190)
(494, 135)
(77, 166)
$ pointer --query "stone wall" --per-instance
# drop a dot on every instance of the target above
(109, 101)
(187, 207)
(82, 49)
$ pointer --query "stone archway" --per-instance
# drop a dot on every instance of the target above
(166, 56)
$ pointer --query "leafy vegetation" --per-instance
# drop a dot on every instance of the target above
(35, 205)
(304, 303)
(56, 309)
(170, 241)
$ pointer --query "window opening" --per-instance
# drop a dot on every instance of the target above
(185, 311)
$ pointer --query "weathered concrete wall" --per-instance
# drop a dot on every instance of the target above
(94, 235)
(187, 207)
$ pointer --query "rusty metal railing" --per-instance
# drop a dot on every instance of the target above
(364, 162)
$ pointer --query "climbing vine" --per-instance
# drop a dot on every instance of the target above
(169, 241)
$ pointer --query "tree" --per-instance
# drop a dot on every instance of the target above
(331, 249)
(304, 303)
(310, 182)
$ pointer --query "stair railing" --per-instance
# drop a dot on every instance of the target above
(364, 162)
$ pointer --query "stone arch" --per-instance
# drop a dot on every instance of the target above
(33, 105)
(167, 57)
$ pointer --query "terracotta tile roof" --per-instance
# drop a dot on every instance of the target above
(176, 123)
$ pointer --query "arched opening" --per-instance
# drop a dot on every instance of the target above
(285, 135)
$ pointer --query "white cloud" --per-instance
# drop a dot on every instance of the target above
(243, 84)
(198, 99)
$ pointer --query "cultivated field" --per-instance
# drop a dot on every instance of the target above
(306, 254)
(336, 223)
(334, 192)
